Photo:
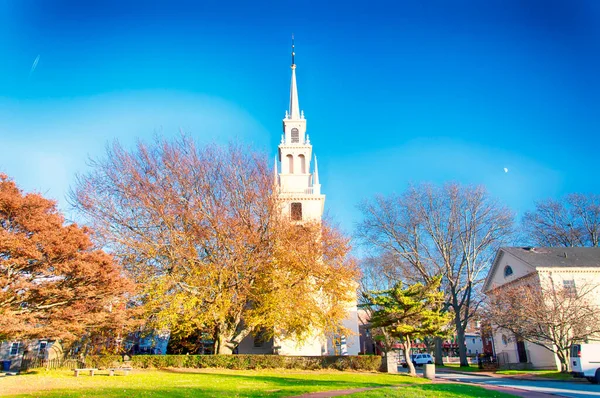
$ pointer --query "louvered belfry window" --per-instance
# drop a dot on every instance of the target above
(295, 136)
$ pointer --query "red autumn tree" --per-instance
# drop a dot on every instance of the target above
(53, 283)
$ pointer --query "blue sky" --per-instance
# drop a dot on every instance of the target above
(394, 92)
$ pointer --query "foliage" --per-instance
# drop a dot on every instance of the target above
(197, 383)
(246, 362)
(453, 231)
(573, 220)
(408, 313)
(546, 313)
(202, 231)
(53, 283)
(196, 342)
(103, 361)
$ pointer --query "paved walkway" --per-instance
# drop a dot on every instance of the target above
(514, 391)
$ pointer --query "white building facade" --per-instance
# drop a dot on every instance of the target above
(572, 266)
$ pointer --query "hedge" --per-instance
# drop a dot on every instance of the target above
(103, 361)
(241, 362)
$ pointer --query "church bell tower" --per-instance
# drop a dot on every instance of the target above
(297, 185)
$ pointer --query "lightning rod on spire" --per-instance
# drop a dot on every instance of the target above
(293, 53)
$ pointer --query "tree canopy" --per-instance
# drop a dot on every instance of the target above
(53, 283)
(409, 312)
(573, 220)
(202, 231)
(451, 230)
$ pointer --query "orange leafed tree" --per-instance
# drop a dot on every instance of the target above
(53, 283)
(203, 233)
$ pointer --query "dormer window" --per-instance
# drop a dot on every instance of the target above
(295, 136)
(508, 271)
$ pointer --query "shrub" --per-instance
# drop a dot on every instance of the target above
(242, 362)
(103, 361)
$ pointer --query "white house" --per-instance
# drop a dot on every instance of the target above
(297, 181)
(14, 351)
(473, 343)
(573, 266)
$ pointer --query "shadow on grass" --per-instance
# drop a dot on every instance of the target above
(282, 381)
(460, 390)
(410, 391)
(433, 391)
(184, 392)
(195, 383)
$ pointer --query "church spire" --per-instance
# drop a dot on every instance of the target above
(294, 105)
(316, 184)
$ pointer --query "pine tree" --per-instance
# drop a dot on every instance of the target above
(409, 312)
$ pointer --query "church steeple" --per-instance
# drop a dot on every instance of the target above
(297, 186)
(294, 111)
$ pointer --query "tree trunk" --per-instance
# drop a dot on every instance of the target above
(226, 340)
(460, 340)
(564, 360)
(406, 346)
(223, 346)
(439, 352)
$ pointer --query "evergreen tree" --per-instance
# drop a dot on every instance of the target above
(409, 312)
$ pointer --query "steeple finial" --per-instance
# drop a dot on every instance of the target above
(294, 106)
(293, 53)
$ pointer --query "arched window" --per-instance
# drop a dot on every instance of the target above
(290, 159)
(508, 271)
(302, 164)
(296, 211)
(295, 136)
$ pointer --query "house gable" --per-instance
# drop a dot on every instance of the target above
(506, 268)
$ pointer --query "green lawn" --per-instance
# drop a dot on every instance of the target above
(226, 383)
(432, 391)
(548, 374)
(193, 383)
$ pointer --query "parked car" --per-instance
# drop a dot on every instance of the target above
(418, 360)
(585, 361)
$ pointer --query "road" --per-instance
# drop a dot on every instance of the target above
(560, 388)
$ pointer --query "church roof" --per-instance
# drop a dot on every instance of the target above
(546, 257)
(557, 256)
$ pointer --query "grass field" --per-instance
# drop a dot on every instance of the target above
(456, 366)
(432, 391)
(548, 374)
(224, 383)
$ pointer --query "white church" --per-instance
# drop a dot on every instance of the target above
(301, 192)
